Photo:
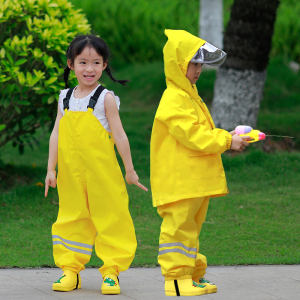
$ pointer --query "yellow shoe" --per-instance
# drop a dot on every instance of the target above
(184, 287)
(110, 285)
(211, 287)
(68, 282)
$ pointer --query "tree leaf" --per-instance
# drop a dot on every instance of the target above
(51, 80)
(17, 109)
(24, 102)
(9, 58)
(29, 78)
(20, 61)
(2, 52)
(51, 99)
(2, 126)
(21, 78)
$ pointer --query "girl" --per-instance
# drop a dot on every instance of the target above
(93, 201)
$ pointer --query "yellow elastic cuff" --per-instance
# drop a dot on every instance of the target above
(72, 269)
(167, 278)
(109, 270)
(229, 140)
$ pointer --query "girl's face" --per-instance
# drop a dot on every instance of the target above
(88, 67)
(193, 72)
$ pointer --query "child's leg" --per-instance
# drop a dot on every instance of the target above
(178, 247)
(201, 263)
(178, 243)
(115, 242)
(73, 233)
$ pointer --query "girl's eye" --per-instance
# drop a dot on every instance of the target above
(195, 64)
(82, 62)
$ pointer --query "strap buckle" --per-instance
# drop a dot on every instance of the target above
(92, 102)
(66, 103)
(67, 98)
(94, 98)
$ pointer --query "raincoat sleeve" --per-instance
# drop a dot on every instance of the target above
(191, 130)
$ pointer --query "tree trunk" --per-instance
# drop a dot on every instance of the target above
(211, 22)
(240, 81)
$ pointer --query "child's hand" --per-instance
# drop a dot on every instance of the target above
(133, 178)
(232, 132)
(238, 143)
(50, 180)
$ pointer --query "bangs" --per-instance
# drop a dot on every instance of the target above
(92, 42)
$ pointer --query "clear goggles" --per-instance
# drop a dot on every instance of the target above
(209, 54)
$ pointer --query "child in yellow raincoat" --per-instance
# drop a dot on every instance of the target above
(93, 201)
(186, 165)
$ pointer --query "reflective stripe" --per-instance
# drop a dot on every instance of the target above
(178, 245)
(72, 248)
(73, 243)
(177, 250)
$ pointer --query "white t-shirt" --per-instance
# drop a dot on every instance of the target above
(76, 104)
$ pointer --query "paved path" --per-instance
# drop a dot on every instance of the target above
(234, 283)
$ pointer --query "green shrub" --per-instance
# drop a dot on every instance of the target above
(34, 35)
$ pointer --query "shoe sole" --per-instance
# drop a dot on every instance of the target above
(211, 290)
(108, 292)
(59, 289)
(172, 293)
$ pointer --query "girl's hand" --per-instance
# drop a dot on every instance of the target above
(238, 142)
(50, 180)
(232, 132)
(132, 178)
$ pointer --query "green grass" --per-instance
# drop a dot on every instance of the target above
(257, 223)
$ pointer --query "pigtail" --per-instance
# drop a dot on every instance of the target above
(66, 76)
(109, 73)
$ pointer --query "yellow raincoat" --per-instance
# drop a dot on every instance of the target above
(185, 163)
(185, 145)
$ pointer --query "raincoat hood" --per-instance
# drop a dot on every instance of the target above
(178, 51)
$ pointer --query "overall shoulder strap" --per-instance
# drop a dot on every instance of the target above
(94, 98)
(67, 98)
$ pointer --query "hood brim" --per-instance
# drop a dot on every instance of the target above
(210, 55)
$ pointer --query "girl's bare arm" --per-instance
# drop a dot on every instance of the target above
(121, 140)
(53, 149)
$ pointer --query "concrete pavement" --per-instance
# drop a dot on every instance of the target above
(234, 283)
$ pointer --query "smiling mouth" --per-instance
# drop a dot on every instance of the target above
(90, 76)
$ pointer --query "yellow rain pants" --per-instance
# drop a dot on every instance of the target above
(179, 238)
(93, 201)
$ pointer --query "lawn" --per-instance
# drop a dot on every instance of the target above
(257, 223)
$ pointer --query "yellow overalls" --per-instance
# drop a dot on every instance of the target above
(93, 201)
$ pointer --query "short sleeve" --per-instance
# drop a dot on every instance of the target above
(99, 110)
(62, 95)
(117, 99)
